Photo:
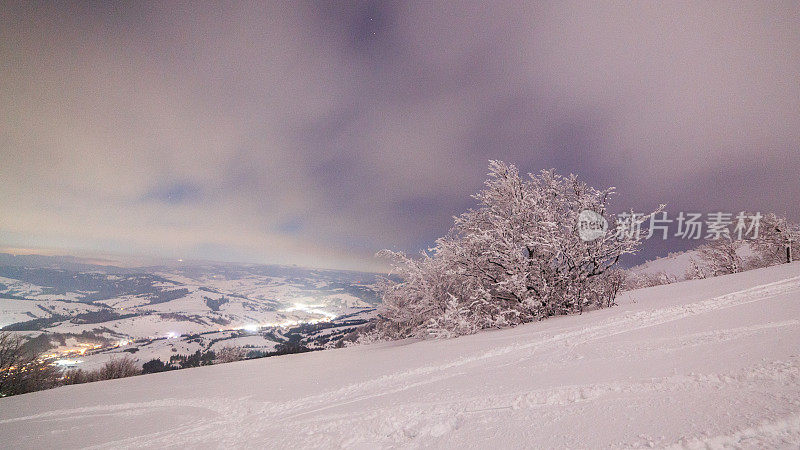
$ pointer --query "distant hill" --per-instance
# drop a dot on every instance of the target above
(104, 309)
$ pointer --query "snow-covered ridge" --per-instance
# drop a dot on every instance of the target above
(702, 363)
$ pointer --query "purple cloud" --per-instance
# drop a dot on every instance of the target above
(371, 123)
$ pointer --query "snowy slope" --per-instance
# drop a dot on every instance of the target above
(711, 362)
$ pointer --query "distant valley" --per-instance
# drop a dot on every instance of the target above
(85, 314)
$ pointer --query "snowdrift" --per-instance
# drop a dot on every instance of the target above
(705, 363)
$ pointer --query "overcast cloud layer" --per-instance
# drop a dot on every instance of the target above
(318, 133)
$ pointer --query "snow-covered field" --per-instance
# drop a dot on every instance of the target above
(708, 363)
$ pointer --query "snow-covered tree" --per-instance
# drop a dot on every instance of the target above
(517, 257)
(718, 257)
(696, 271)
(635, 280)
(778, 240)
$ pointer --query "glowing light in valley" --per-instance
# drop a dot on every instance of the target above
(68, 362)
(81, 349)
(172, 335)
(255, 327)
(312, 309)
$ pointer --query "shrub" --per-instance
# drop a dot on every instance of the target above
(231, 354)
(119, 368)
(643, 280)
(154, 366)
(116, 368)
(22, 369)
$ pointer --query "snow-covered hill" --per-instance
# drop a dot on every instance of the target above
(706, 363)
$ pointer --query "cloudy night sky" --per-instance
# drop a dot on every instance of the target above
(317, 133)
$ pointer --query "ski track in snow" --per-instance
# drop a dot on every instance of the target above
(304, 420)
